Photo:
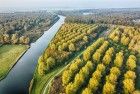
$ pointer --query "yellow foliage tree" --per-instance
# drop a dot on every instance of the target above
(128, 86)
(131, 64)
(70, 89)
(93, 84)
(96, 56)
(97, 75)
(130, 75)
(87, 91)
(111, 78)
(115, 71)
(108, 88)
(100, 67)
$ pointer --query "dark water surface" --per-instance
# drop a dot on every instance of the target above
(18, 79)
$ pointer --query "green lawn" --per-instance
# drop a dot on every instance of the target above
(9, 54)
(40, 81)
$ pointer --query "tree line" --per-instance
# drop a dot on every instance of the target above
(127, 17)
(102, 72)
(14, 39)
(70, 38)
(31, 24)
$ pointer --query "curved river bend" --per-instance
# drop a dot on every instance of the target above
(18, 79)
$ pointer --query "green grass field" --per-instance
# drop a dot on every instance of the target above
(9, 54)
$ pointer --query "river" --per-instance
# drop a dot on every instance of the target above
(18, 79)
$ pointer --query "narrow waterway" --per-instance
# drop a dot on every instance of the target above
(18, 79)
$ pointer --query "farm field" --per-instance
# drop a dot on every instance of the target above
(108, 66)
(69, 42)
(9, 54)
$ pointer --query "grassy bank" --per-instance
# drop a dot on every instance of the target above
(9, 55)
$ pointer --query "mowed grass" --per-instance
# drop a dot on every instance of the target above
(9, 54)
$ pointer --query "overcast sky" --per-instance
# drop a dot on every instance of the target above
(43, 4)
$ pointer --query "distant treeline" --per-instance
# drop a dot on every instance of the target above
(107, 16)
(28, 24)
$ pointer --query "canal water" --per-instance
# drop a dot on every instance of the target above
(18, 79)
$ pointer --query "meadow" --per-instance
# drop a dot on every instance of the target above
(9, 54)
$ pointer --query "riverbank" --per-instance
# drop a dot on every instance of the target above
(18, 58)
(9, 56)
(38, 35)
(18, 79)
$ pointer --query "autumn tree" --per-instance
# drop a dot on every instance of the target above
(128, 86)
(131, 62)
(93, 84)
(72, 47)
(78, 80)
(6, 38)
(111, 78)
(125, 40)
(119, 59)
(71, 71)
(130, 75)
(96, 56)
(1, 38)
(108, 56)
(97, 75)
(66, 77)
(87, 91)
(14, 38)
(24, 40)
(41, 66)
(87, 55)
(70, 89)
(115, 71)
(116, 39)
(50, 62)
(85, 38)
(108, 88)
(100, 67)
